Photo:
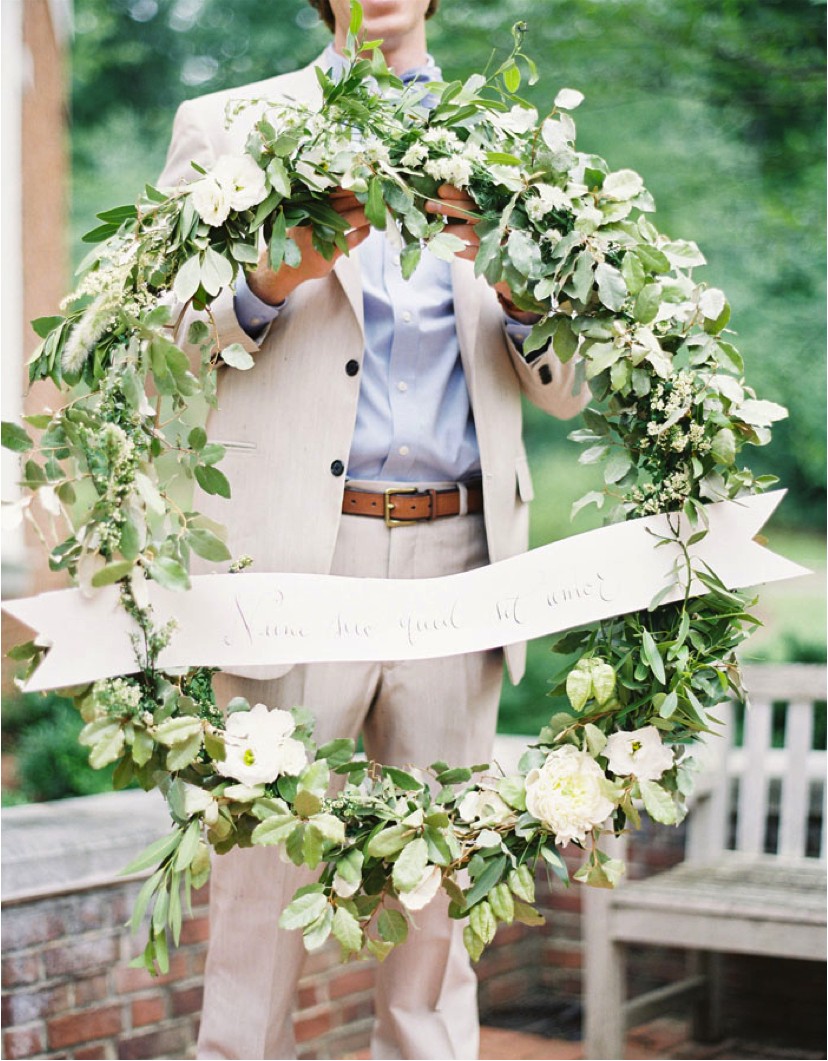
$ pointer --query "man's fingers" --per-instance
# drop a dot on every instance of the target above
(356, 236)
(464, 232)
(356, 218)
(342, 199)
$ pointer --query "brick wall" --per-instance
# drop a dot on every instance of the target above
(68, 990)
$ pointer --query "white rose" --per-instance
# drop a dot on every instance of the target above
(424, 892)
(259, 748)
(640, 753)
(567, 795)
(211, 201)
(242, 179)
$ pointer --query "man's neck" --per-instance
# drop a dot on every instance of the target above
(401, 55)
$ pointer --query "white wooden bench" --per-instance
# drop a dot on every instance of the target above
(754, 879)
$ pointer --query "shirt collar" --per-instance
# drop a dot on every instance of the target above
(337, 64)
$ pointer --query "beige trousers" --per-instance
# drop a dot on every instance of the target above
(409, 713)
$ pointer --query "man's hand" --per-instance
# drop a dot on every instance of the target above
(455, 203)
(275, 287)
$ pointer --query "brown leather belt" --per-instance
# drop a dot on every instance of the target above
(400, 505)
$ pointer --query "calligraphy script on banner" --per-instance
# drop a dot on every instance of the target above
(247, 620)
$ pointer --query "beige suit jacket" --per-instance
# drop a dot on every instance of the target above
(289, 420)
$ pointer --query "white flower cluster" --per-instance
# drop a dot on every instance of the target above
(116, 696)
(259, 747)
(639, 753)
(235, 182)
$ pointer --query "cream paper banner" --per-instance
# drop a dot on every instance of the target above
(244, 620)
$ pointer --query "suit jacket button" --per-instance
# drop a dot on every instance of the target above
(337, 468)
(352, 367)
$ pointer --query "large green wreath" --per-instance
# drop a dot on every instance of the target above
(632, 694)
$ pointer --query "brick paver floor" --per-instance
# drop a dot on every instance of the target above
(665, 1039)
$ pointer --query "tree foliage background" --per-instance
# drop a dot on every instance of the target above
(719, 104)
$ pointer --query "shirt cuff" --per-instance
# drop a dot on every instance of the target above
(252, 313)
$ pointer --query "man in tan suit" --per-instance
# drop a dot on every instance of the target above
(364, 382)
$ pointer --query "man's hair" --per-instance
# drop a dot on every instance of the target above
(325, 13)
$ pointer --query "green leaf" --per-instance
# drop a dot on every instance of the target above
(176, 730)
(236, 356)
(375, 206)
(156, 852)
(244, 252)
(187, 279)
(658, 803)
(392, 926)
(617, 466)
(188, 846)
(579, 687)
(197, 438)
(647, 303)
(275, 830)
(279, 179)
(278, 241)
(148, 889)
(511, 78)
(611, 287)
(142, 747)
(168, 572)
(652, 655)
(14, 437)
(652, 259)
(411, 865)
(112, 573)
(347, 931)
(389, 841)
(402, 779)
(356, 17)
(212, 481)
(303, 910)
(206, 544)
(513, 791)
(183, 754)
(216, 271)
(528, 915)
(486, 880)
(306, 803)
(337, 752)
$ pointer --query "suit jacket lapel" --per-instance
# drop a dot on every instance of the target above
(347, 273)
(467, 291)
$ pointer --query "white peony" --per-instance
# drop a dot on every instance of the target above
(242, 179)
(425, 890)
(640, 753)
(567, 795)
(259, 747)
(211, 201)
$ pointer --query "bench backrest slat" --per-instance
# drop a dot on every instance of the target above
(769, 791)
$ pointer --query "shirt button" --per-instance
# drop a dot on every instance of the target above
(403, 451)
(402, 385)
(406, 316)
(337, 468)
(396, 259)
(352, 367)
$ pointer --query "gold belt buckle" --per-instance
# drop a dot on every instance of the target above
(389, 505)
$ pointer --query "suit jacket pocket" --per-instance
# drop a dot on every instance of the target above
(525, 489)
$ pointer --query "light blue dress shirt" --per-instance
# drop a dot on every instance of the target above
(414, 420)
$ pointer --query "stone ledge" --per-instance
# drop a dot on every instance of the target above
(68, 843)
(71, 843)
